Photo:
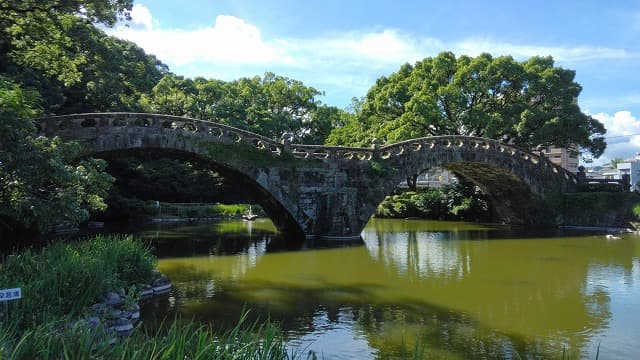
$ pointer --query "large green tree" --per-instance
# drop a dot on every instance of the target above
(54, 47)
(269, 105)
(526, 103)
(33, 33)
(52, 56)
(40, 184)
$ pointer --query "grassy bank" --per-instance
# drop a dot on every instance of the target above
(61, 281)
(201, 210)
(181, 340)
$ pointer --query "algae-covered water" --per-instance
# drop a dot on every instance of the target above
(447, 290)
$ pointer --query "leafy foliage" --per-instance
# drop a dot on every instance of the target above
(270, 105)
(527, 103)
(65, 278)
(53, 47)
(39, 185)
(451, 202)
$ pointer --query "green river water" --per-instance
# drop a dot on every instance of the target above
(450, 290)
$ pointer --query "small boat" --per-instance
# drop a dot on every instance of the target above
(249, 216)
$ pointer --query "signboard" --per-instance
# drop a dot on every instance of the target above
(10, 294)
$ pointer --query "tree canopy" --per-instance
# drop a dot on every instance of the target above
(526, 103)
(52, 56)
(54, 47)
(270, 105)
(39, 184)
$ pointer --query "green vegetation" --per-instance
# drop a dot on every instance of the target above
(450, 202)
(270, 105)
(526, 103)
(636, 211)
(40, 183)
(201, 210)
(53, 47)
(250, 156)
(596, 208)
(181, 340)
(62, 280)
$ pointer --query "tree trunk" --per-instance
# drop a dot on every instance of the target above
(412, 182)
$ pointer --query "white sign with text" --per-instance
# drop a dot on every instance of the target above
(10, 294)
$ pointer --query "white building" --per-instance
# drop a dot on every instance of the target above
(632, 168)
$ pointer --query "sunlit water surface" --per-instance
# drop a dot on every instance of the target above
(443, 289)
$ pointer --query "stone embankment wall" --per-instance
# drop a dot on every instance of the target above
(602, 209)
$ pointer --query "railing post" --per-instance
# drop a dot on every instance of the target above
(285, 140)
(581, 175)
(375, 147)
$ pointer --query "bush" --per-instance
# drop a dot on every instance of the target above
(451, 202)
(63, 279)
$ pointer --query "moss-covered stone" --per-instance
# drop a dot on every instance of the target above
(611, 209)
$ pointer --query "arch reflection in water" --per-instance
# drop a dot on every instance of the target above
(463, 290)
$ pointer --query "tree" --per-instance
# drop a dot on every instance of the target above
(318, 125)
(114, 78)
(33, 33)
(270, 105)
(54, 47)
(614, 162)
(39, 184)
(526, 103)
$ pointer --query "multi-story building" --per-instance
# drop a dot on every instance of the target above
(565, 157)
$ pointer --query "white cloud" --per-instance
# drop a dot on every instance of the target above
(229, 40)
(476, 46)
(140, 15)
(345, 63)
(623, 135)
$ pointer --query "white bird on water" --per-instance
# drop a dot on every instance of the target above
(613, 237)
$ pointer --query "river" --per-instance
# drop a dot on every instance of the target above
(448, 290)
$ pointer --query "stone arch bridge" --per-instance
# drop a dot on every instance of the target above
(323, 191)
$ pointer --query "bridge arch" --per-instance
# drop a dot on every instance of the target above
(515, 179)
(327, 191)
(252, 190)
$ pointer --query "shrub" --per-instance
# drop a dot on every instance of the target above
(64, 278)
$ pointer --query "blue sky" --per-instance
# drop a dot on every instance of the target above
(342, 47)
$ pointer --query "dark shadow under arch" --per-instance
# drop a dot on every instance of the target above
(281, 218)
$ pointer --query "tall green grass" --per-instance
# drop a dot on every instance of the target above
(181, 340)
(60, 282)
(64, 278)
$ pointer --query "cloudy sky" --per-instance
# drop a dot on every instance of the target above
(342, 47)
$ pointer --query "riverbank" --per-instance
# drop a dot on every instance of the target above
(61, 284)
(580, 210)
(595, 209)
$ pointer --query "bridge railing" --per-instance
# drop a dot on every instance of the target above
(436, 143)
(228, 134)
(331, 152)
(223, 133)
